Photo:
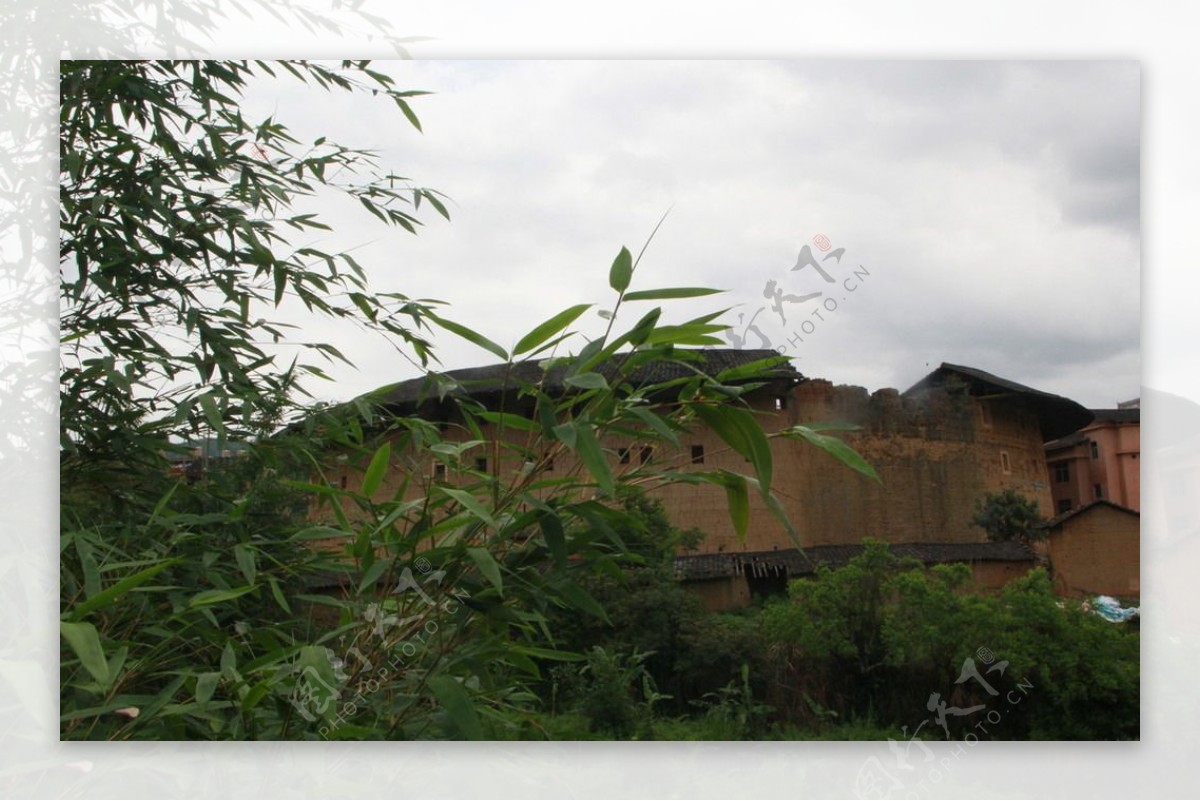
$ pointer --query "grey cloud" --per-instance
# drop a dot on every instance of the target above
(994, 202)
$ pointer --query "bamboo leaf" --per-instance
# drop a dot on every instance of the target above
(315, 669)
(459, 709)
(488, 566)
(587, 381)
(409, 113)
(760, 368)
(556, 541)
(833, 426)
(508, 420)
(593, 457)
(546, 653)
(656, 423)
(469, 335)
(244, 556)
(206, 685)
(580, 599)
(229, 662)
(212, 414)
(672, 293)
(91, 570)
(470, 503)
(621, 272)
(835, 448)
(210, 597)
(278, 594)
(686, 334)
(372, 574)
(739, 504)
(84, 640)
(106, 597)
(549, 328)
(643, 328)
(376, 470)
(567, 433)
(738, 428)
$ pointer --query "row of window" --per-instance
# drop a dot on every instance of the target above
(1062, 470)
(624, 455)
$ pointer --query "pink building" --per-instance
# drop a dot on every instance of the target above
(1100, 461)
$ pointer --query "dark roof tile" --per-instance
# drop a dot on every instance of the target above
(1054, 522)
(505, 377)
(1057, 416)
(802, 563)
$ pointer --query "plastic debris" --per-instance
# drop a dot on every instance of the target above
(1111, 610)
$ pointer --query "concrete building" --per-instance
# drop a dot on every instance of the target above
(1101, 461)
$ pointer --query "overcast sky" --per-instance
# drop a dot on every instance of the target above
(980, 213)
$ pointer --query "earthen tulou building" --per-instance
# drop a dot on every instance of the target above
(938, 447)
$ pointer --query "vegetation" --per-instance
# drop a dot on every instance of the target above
(1009, 516)
(874, 640)
(195, 609)
(883, 648)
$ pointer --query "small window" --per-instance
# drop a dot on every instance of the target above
(647, 452)
(439, 471)
(623, 455)
(1064, 506)
(343, 480)
(780, 402)
(481, 464)
(985, 415)
(1095, 451)
(697, 454)
(1097, 491)
(1062, 472)
(1005, 464)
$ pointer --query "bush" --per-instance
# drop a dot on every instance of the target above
(612, 692)
(1009, 515)
(890, 643)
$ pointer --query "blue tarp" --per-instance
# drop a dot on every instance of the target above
(1111, 610)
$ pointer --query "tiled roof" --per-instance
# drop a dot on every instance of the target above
(1133, 415)
(1117, 416)
(1057, 416)
(1069, 441)
(1054, 522)
(802, 563)
(797, 563)
(497, 377)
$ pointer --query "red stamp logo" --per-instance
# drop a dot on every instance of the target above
(822, 242)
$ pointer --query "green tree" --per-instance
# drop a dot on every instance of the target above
(872, 642)
(177, 216)
(647, 610)
(1009, 515)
